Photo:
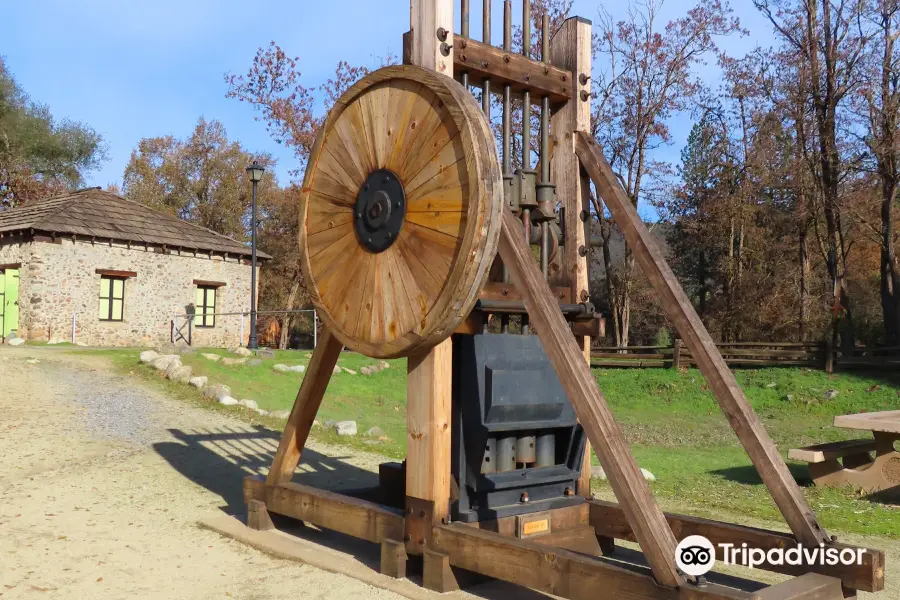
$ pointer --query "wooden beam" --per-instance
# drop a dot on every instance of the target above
(560, 572)
(811, 586)
(115, 273)
(5, 266)
(570, 49)
(428, 397)
(352, 516)
(746, 424)
(495, 290)
(608, 519)
(205, 283)
(309, 398)
(568, 359)
(425, 49)
(484, 61)
(564, 518)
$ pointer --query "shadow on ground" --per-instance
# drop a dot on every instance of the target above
(748, 475)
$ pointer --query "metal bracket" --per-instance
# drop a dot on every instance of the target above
(419, 524)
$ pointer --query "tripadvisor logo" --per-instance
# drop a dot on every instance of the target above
(696, 555)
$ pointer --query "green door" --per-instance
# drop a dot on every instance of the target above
(9, 313)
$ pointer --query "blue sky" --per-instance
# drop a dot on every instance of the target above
(142, 69)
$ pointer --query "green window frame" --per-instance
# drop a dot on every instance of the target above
(205, 311)
(112, 298)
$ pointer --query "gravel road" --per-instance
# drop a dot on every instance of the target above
(103, 482)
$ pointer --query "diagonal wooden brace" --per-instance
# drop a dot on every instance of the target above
(631, 489)
(746, 424)
(309, 398)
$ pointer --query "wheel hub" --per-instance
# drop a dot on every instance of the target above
(379, 210)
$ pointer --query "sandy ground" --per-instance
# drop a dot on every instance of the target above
(102, 483)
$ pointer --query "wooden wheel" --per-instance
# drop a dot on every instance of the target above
(400, 211)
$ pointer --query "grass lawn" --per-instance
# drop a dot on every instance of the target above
(670, 418)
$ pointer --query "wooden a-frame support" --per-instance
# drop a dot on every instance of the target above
(490, 548)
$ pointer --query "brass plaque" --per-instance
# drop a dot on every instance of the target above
(532, 525)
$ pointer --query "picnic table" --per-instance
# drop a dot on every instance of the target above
(851, 462)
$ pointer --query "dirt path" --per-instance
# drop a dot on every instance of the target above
(103, 482)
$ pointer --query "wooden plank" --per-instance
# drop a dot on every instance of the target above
(109, 272)
(731, 398)
(560, 519)
(393, 559)
(636, 364)
(483, 61)
(437, 575)
(258, 517)
(428, 387)
(352, 516)
(608, 519)
(495, 290)
(832, 450)
(570, 49)
(574, 373)
(425, 18)
(811, 586)
(557, 571)
(309, 398)
(887, 421)
(628, 356)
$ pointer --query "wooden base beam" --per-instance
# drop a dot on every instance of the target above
(393, 559)
(608, 519)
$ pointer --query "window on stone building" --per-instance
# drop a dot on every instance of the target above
(112, 298)
(205, 315)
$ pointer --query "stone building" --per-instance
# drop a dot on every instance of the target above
(104, 271)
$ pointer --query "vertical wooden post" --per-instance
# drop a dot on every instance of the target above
(571, 49)
(429, 374)
(829, 356)
(676, 354)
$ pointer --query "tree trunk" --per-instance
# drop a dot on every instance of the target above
(804, 285)
(288, 318)
(890, 278)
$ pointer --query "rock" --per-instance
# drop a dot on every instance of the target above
(282, 368)
(241, 351)
(648, 475)
(209, 356)
(830, 394)
(280, 414)
(32, 361)
(316, 423)
(366, 371)
(771, 385)
(148, 356)
(198, 381)
(349, 371)
(371, 442)
(16, 341)
(249, 404)
(181, 374)
(217, 390)
(789, 398)
(598, 473)
(329, 423)
(336, 370)
(385, 364)
(297, 368)
(162, 363)
(227, 401)
(261, 412)
(173, 365)
(265, 353)
(345, 428)
(185, 349)
(231, 362)
(254, 362)
(375, 431)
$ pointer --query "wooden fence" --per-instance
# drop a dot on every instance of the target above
(814, 355)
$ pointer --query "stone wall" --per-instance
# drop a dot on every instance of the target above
(59, 280)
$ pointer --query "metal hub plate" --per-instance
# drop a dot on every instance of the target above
(379, 210)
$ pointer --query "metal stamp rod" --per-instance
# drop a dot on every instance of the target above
(506, 454)
(486, 38)
(464, 31)
(546, 450)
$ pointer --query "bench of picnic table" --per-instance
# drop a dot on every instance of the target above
(819, 453)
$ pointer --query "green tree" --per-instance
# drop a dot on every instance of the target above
(201, 179)
(40, 155)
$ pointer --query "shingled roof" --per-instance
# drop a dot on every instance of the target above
(94, 213)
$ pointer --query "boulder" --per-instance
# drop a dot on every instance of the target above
(648, 475)
(181, 374)
(345, 428)
(280, 414)
(265, 353)
(216, 390)
(162, 363)
(227, 401)
(597, 472)
(199, 381)
(349, 371)
(241, 351)
(254, 362)
(282, 368)
(209, 356)
(173, 365)
(366, 371)
(261, 412)
(297, 368)
(148, 356)
(15, 341)
(830, 394)
(336, 370)
(230, 362)
(375, 431)
(249, 404)
(385, 364)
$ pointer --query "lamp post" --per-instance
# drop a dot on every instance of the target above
(255, 173)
